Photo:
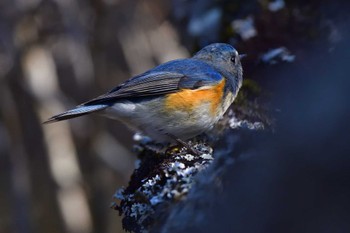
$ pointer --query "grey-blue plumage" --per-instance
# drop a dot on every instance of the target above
(204, 85)
(75, 112)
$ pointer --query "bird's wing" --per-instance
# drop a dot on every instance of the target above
(158, 83)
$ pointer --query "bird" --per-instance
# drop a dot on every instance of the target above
(176, 100)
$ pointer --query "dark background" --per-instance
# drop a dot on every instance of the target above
(56, 54)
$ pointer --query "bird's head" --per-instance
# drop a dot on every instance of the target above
(224, 58)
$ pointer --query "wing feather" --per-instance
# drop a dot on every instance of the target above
(157, 83)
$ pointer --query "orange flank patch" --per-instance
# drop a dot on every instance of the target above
(187, 99)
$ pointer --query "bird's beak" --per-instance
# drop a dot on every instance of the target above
(242, 56)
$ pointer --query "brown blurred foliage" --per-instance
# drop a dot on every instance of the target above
(55, 54)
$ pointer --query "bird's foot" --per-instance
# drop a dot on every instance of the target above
(189, 148)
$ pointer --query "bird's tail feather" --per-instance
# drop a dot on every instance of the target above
(76, 112)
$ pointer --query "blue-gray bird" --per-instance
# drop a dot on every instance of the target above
(175, 100)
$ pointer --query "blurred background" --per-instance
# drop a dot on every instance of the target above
(55, 54)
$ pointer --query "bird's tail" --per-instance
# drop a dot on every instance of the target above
(76, 112)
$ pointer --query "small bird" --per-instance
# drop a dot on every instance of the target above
(177, 100)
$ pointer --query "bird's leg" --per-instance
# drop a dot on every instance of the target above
(184, 144)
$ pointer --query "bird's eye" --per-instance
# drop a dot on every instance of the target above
(233, 59)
